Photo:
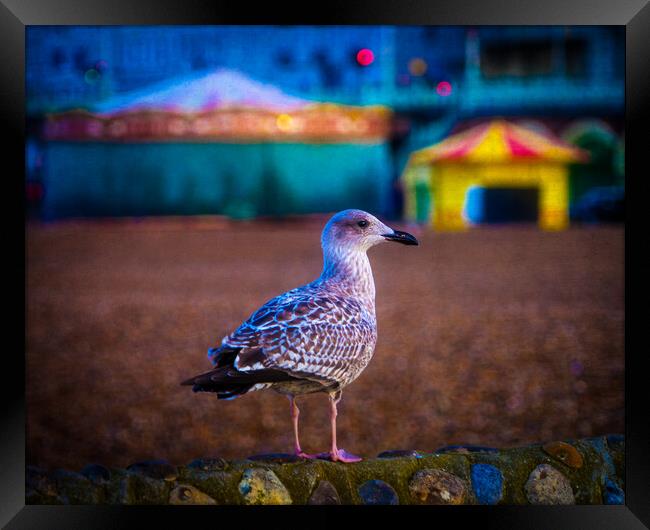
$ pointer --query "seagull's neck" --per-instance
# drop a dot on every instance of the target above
(349, 270)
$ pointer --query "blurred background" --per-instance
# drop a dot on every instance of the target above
(178, 177)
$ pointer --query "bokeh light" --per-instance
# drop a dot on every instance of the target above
(418, 66)
(284, 122)
(365, 57)
(91, 76)
(443, 88)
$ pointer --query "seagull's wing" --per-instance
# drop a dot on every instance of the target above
(303, 334)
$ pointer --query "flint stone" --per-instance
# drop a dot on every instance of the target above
(565, 453)
(487, 482)
(434, 486)
(612, 494)
(615, 440)
(262, 486)
(96, 473)
(325, 493)
(184, 494)
(377, 492)
(546, 485)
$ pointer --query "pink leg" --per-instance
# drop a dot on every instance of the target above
(295, 413)
(336, 454)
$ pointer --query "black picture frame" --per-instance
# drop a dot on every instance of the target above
(15, 15)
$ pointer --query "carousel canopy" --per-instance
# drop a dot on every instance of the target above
(213, 90)
(223, 105)
(498, 141)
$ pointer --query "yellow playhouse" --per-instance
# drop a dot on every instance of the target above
(494, 154)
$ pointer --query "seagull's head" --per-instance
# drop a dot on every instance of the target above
(359, 230)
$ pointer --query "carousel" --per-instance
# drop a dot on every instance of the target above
(217, 143)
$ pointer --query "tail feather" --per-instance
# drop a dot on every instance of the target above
(222, 355)
(228, 383)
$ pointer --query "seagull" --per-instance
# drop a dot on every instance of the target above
(316, 338)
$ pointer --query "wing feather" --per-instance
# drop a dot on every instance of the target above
(305, 333)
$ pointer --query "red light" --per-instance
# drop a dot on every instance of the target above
(365, 57)
(443, 88)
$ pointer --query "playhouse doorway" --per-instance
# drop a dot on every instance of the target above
(500, 205)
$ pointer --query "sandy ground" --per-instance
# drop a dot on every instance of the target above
(498, 336)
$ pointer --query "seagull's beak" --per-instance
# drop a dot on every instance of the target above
(401, 237)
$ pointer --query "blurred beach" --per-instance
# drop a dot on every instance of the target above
(497, 336)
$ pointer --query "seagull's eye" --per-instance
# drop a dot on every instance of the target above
(362, 223)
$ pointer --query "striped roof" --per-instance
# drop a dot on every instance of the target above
(499, 141)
